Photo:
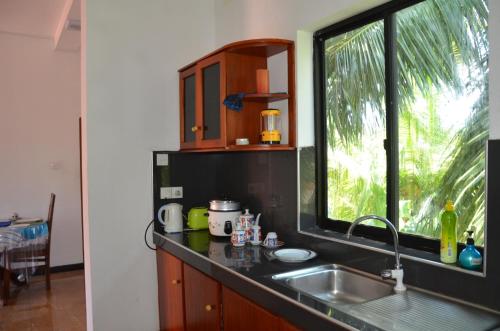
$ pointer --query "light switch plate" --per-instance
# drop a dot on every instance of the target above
(177, 192)
(165, 193)
(162, 159)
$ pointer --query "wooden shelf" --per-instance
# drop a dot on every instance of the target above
(260, 48)
(243, 148)
(266, 97)
(256, 47)
(261, 147)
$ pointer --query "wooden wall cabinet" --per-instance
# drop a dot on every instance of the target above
(202, 91)
(205, 123)
(170, 291)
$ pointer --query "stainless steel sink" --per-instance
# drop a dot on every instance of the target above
(335, 284)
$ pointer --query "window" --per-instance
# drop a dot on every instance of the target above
(402, 118)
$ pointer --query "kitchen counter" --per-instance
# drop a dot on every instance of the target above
(248, 271)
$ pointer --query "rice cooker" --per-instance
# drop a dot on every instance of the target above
(222, 217)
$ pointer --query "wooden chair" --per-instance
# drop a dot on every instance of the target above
(38, 255)
(8, 240)
(46, 253)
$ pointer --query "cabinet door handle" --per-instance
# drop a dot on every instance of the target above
(176, 281)
(209, 307)
(195, 128)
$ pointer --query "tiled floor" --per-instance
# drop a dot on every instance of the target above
(34, 308)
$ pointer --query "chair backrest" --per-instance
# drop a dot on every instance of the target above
(51, 213)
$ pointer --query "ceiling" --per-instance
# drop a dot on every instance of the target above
(40, 19)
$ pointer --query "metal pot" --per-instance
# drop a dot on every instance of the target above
(224, 205)
(222, 217)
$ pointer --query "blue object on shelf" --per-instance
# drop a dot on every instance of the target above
(234, 101)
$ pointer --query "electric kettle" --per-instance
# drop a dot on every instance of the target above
(173, 217)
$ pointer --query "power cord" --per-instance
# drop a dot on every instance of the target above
(146, 236)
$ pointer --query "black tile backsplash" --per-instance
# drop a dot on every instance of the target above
(266, 182)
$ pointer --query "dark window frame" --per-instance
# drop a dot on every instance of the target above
(386, 13)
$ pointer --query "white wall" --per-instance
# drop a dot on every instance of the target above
(297, 19)
(245, 19)
(131, 52)
(289, 19)
(39, 110)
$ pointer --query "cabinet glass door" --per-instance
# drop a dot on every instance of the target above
(211, 102)
(212, 78)
(189, 109)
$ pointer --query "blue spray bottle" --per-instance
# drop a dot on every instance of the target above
(470, 257)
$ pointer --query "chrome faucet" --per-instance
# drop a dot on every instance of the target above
(397, 272)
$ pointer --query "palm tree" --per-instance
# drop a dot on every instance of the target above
(440, 44)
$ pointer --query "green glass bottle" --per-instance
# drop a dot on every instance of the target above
(449, 234)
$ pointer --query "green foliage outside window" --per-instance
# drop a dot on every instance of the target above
(442, 87)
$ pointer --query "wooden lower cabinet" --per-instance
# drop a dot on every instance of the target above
(285, 326)
(189, 300)
(170, 293)
(202, 301)
(243, 315)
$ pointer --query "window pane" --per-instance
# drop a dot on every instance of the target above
(442, 53)
(355, 114)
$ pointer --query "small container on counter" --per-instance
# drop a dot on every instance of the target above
(256, 235)
(271, 240)
(470, 258)
(238, 238)
(246, 221)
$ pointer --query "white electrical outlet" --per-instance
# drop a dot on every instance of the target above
(177, 192)
(162, 159)
(165, 193)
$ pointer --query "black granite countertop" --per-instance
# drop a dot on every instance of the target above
(248, 271)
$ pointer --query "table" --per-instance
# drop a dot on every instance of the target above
(19, 243)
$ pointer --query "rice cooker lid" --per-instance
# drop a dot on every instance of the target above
(224, 205)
